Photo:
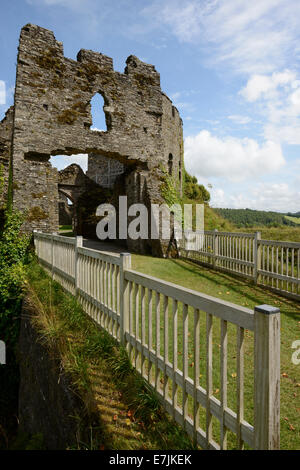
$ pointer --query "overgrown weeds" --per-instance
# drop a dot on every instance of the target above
(13, 258)
(130, 415)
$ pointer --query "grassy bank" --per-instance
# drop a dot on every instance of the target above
(282, 233)
(120, 400)
(129, 414)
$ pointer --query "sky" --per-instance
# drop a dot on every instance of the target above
(231, 67)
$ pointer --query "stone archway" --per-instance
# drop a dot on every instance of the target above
(65, 211)
(53, 114)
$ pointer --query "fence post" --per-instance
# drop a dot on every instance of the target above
(52, 254)
(78, 244)
(257, 255)
(266, 378)
(215, 247)
(35, 241)
(125, 259)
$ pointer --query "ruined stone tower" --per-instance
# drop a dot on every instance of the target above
(52, 116)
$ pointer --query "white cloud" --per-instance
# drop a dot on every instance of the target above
(253, 37)
(240, 119)
(97, 129)
(2, 92)
(231, 158)
(278, 197)
(277, 99)
(62, 161)
(279, 133)
(262, 86)
(73, 4)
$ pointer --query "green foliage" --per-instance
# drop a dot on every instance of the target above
(2, 201)
(193, 193)
(251, 218)
(227, 287)
(193, 190)
(25, 442)
(13, 256)
(2, 180)
(168, 189)
(295, 220)
(87, 348)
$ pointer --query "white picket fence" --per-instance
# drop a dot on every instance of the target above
(272, 264)
(172, 335)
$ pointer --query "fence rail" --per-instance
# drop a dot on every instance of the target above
(272, 264)
(171, 334)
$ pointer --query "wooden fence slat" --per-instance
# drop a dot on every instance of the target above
(223, 382)
(185, 365)
(150, 334)
(196, 370)
(121, 301)
(267, 378)
(143, 328)
(248, 256)
(166, 344)
(240, 384)
(175, 355)
(209, 380)
(157, 338)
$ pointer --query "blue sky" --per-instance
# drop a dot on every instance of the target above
(230, 66)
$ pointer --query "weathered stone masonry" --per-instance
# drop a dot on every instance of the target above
(52, 116)
(6, 129)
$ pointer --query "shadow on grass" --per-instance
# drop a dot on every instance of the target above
(241, 287)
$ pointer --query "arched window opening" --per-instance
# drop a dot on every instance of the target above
(98, 115)
(65, 212)
(170, 164)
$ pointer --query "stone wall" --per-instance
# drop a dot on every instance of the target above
(53, 117)
(6, 129)
(104, 170)
(65, 213)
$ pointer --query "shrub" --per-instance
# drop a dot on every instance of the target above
(13, 257)
(193, 190)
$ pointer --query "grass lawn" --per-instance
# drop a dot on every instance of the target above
(244, 293)
(65, 227)
(282, 233)
(296, 220)
(66, 230)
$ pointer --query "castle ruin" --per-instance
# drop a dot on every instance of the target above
(51, 116)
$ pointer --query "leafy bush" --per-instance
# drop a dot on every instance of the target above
(253, 218)
(13, 257)
(193, 190)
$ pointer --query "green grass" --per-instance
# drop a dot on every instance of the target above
(229, 288)
(129, 414)
(66, 230)
(296, 220)
(219, 285)
(282, 233)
